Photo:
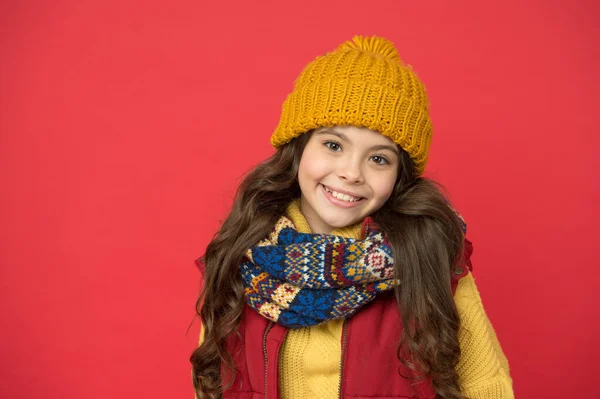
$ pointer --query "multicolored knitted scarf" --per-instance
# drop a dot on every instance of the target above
(299, 280)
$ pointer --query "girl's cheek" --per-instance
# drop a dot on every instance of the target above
(317, 165)
(312, 168)
(386, 186)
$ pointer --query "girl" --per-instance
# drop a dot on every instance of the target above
(341, 272)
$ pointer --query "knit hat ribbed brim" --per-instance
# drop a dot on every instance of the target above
(362, 83)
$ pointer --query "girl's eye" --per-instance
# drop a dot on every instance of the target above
(378, 159)
(332, 145)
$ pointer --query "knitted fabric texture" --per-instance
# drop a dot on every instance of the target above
(364, 83)
(300, 280)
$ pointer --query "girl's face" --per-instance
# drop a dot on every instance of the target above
(346, 173)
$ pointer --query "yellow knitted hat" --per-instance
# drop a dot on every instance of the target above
(365, 84)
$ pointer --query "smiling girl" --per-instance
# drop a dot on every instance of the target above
(342, 272)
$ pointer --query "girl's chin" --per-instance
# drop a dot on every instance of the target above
(341, 222)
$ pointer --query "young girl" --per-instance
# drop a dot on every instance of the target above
(341, 272)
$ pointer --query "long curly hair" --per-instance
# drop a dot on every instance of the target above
(427, 242)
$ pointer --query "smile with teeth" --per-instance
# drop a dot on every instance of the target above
(340, 196)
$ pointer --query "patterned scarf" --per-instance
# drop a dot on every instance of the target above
(299, 279)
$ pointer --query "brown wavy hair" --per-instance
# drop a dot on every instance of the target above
(427, 242)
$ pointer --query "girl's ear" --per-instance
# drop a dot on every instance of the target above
(200, 265)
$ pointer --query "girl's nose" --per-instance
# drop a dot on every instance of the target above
(351, 172)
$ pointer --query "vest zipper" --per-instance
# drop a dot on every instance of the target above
(265, 353)
(344, 336)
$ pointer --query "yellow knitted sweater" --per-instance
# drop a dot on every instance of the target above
(310, 357)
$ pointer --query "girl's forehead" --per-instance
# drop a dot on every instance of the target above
(350, 131)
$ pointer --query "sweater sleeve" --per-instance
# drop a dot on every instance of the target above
(200, 340)
(482, 368)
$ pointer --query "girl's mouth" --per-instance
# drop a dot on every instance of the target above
(339, 198)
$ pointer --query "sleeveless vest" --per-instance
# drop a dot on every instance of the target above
(369, 365)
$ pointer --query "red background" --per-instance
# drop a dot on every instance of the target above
(125, 127)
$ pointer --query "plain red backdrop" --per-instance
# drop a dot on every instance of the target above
(126, 126)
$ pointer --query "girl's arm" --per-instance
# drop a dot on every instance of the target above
(200, 340)
(483, 368)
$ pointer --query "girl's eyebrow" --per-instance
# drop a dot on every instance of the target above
(343, 137)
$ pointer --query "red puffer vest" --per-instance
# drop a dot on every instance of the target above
(369, 364)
